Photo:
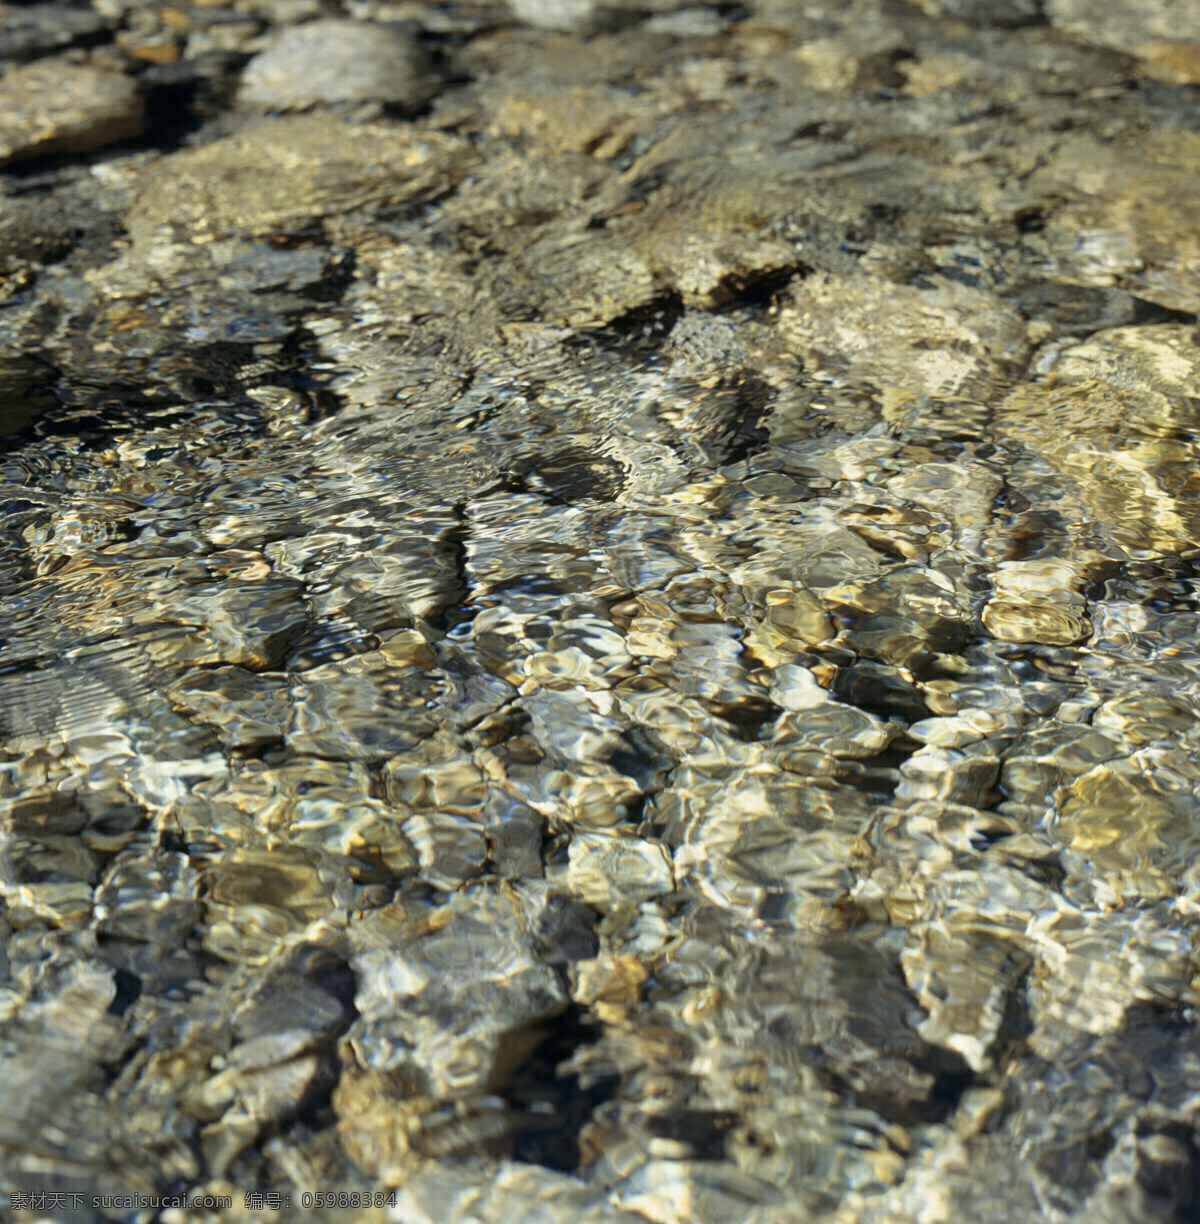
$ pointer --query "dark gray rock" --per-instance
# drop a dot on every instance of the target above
(27, 32)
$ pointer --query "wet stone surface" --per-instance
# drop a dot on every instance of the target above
(599, 610)
(337, 61)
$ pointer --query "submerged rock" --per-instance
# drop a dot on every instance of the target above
(284, 172)
(1126, 221)
(1163, 33)
(1036, 601)
(32, 30)
(334, 61)
(59, 106)
(947, 340)
(1114, 415)
(555, 14)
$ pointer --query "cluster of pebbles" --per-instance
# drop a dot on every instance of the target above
(599, 608)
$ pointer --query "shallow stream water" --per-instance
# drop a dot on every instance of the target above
(599, 612)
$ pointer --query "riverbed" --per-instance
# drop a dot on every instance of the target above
(599, 611)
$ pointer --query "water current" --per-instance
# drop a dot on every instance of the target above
(599, 611)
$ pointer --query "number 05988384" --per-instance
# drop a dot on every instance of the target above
(348, 1198)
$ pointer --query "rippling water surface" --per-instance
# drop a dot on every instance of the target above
(604, 631)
